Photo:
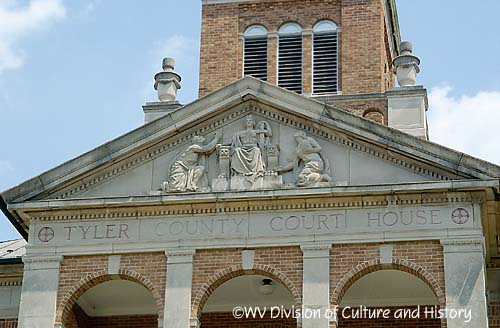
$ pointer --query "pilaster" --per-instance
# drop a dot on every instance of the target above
(316, 283)
(177, 311)
(307, 62)
(464, 270)
(272, 58)
(39, 291)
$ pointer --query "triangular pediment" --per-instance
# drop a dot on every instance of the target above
(354, 151)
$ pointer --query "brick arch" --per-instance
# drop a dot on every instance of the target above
(229, 273)
(374, 114)
(66, 303)
(399, 264)
(295, 19)
(256, 21)
(325, 17)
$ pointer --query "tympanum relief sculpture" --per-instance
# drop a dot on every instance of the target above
(188, 170)
(249, 160)
(311, 168)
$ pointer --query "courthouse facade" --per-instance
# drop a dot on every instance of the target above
(302, 178)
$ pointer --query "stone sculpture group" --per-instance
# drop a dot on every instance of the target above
(249, 162)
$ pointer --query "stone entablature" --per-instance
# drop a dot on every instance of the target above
(256, 222)
(316, 224)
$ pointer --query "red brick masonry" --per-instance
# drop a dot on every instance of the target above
(226, 320)
(364, 58)
(494, 315)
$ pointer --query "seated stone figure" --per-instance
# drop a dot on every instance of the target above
(246, 158)
(189, 167)
(311, 167)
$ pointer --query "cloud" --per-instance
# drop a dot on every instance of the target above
(177, 46)
(467, 123)
(18, 21)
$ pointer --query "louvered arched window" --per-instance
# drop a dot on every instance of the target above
(255, 62)
(290, 57)
(325, 58)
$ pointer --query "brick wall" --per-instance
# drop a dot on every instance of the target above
(208, 263)
(426, 258)
(8, 323)
(79, 319)
(80, 273)
(211, 268)
(365, 59)
(124, 322)
(361, 107)
(219, 48)
(287, 260)
(362, 46)
(226, 320)
(222, 320)
(494, 314)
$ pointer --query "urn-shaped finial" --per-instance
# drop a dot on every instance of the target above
(167, 82)
(406, 65)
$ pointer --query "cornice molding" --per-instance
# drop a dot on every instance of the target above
(42, 259)
(462, 242)
(315, 247)
(180, 256)
(180, 252)
(320, 202)
(11, 283)
(493, 265)
(475, 245)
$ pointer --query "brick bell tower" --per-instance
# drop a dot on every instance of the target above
(341, 52)
(294, 43)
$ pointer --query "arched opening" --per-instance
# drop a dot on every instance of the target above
(407, 301)
(290, 57)
(249, 293)
(325, 58)
(255, 52)
(374, 114)
(114, 303)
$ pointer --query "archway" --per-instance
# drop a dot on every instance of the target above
(111, 301)
(229, 273)
(388, 297)
(259, 301)
(375, 115)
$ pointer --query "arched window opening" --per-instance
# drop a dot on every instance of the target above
(290, 57)
(255, 52)
(391, 290)
(325, 58)
(111, 303)
(247, 291)
(374, 115)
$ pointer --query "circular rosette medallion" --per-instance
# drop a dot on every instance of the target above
(46, 234)
(460, 216)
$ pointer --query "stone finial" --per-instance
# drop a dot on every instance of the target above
(407, 65)
(167, 82)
